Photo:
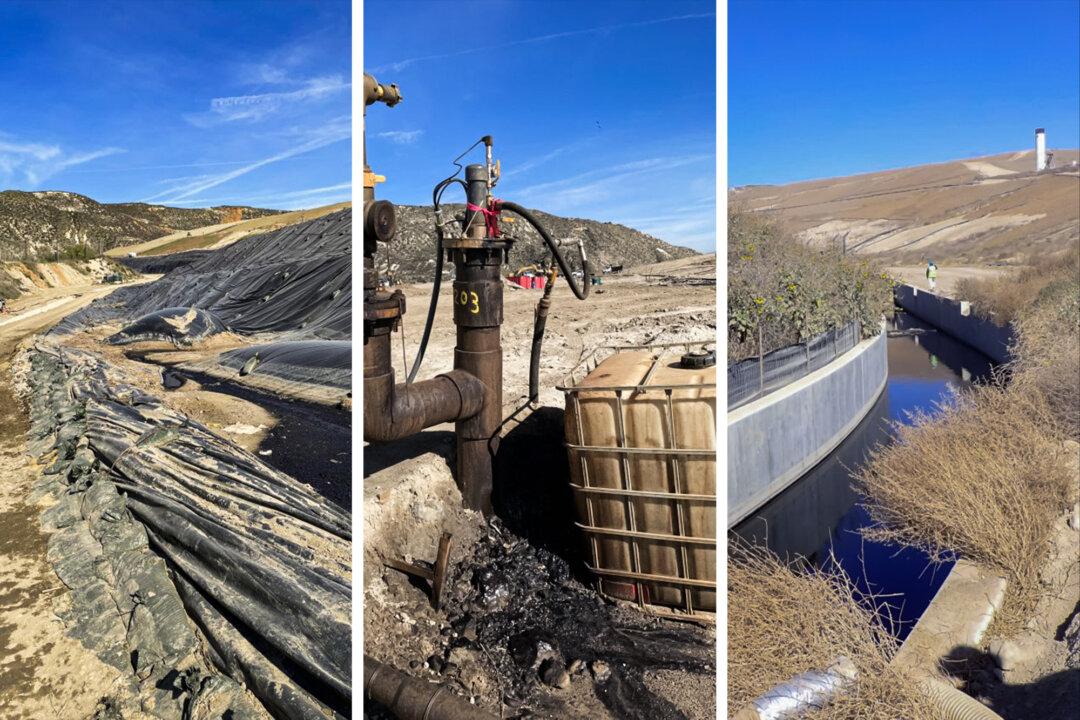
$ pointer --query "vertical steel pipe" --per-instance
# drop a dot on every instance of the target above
(478, 315)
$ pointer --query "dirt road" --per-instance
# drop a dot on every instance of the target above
(43, 672)
(948, 276)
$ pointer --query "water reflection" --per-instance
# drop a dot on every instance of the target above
(819, 518)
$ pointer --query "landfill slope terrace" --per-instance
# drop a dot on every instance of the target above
(297, 280)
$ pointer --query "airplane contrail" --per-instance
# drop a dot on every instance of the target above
(402, 64)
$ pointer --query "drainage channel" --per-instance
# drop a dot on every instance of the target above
(819, 516)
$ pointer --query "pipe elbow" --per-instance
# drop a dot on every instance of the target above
(393, 412)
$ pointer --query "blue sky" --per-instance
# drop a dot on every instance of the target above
(600, 110)
(187, 104)
(820, 90)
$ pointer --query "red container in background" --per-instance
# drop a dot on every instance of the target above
(541, 281)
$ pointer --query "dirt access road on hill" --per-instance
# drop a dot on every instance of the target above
(947, 277)
(43, 672)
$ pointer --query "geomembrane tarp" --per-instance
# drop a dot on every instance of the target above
(297, 280)
(203, 572)
(312, 362)
(753, 377)
(259, 560)
(178, 325)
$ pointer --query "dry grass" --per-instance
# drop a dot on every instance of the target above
(1007, 297)
(1002, 298)
(1047, 349)
(783, 621)
(984, 477)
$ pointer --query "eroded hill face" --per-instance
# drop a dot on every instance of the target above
(411, 255)
(987, 209)
(36, 223)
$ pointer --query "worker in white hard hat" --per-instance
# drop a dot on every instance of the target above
(931, 274)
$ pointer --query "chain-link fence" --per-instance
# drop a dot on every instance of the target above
(753, 377)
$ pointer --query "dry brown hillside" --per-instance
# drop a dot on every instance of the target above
(986, 209)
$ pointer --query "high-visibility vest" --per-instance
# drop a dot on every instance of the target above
(931, 271)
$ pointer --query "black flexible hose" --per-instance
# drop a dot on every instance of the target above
(540, 321)
(433, 304)
(579, 293)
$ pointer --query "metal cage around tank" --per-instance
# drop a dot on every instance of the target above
(690, 590)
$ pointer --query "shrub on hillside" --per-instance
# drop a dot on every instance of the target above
(781, 292)
(9, 289)
(1047, 351)
(78, 252)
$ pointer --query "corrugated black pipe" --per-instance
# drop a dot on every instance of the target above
(410, 698)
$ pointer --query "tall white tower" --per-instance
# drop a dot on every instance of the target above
(1040, 149)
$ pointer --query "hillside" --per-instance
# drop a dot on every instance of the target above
(986, 209)
(411, 255)
(33, 224)
(213, 237)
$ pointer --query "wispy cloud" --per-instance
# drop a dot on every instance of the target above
(401, 137)
(536, 162)
(333, 132)
(37, 162)
(262, 105)
(341, 191)
(402, 64)
(627, 192)
(176, 166)
(594, 186)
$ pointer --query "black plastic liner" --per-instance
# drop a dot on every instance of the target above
(314, 362)
(260, 560)
(161, 264)
(178, 325)
(297, 280)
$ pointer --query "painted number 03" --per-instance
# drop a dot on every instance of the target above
(470, 298)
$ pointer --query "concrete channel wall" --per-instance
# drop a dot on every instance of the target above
(958, 319)
(775, 440)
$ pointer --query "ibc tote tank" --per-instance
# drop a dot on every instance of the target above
(641, 438)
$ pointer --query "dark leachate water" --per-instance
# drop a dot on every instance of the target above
(819, 517)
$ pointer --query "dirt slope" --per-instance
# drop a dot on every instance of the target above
(33, 223)
(44, 672)
(216, 236)
(19, 278)
(987, 209)
(410, 257)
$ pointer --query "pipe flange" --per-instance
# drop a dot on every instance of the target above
(383, 305)
(464, 243)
